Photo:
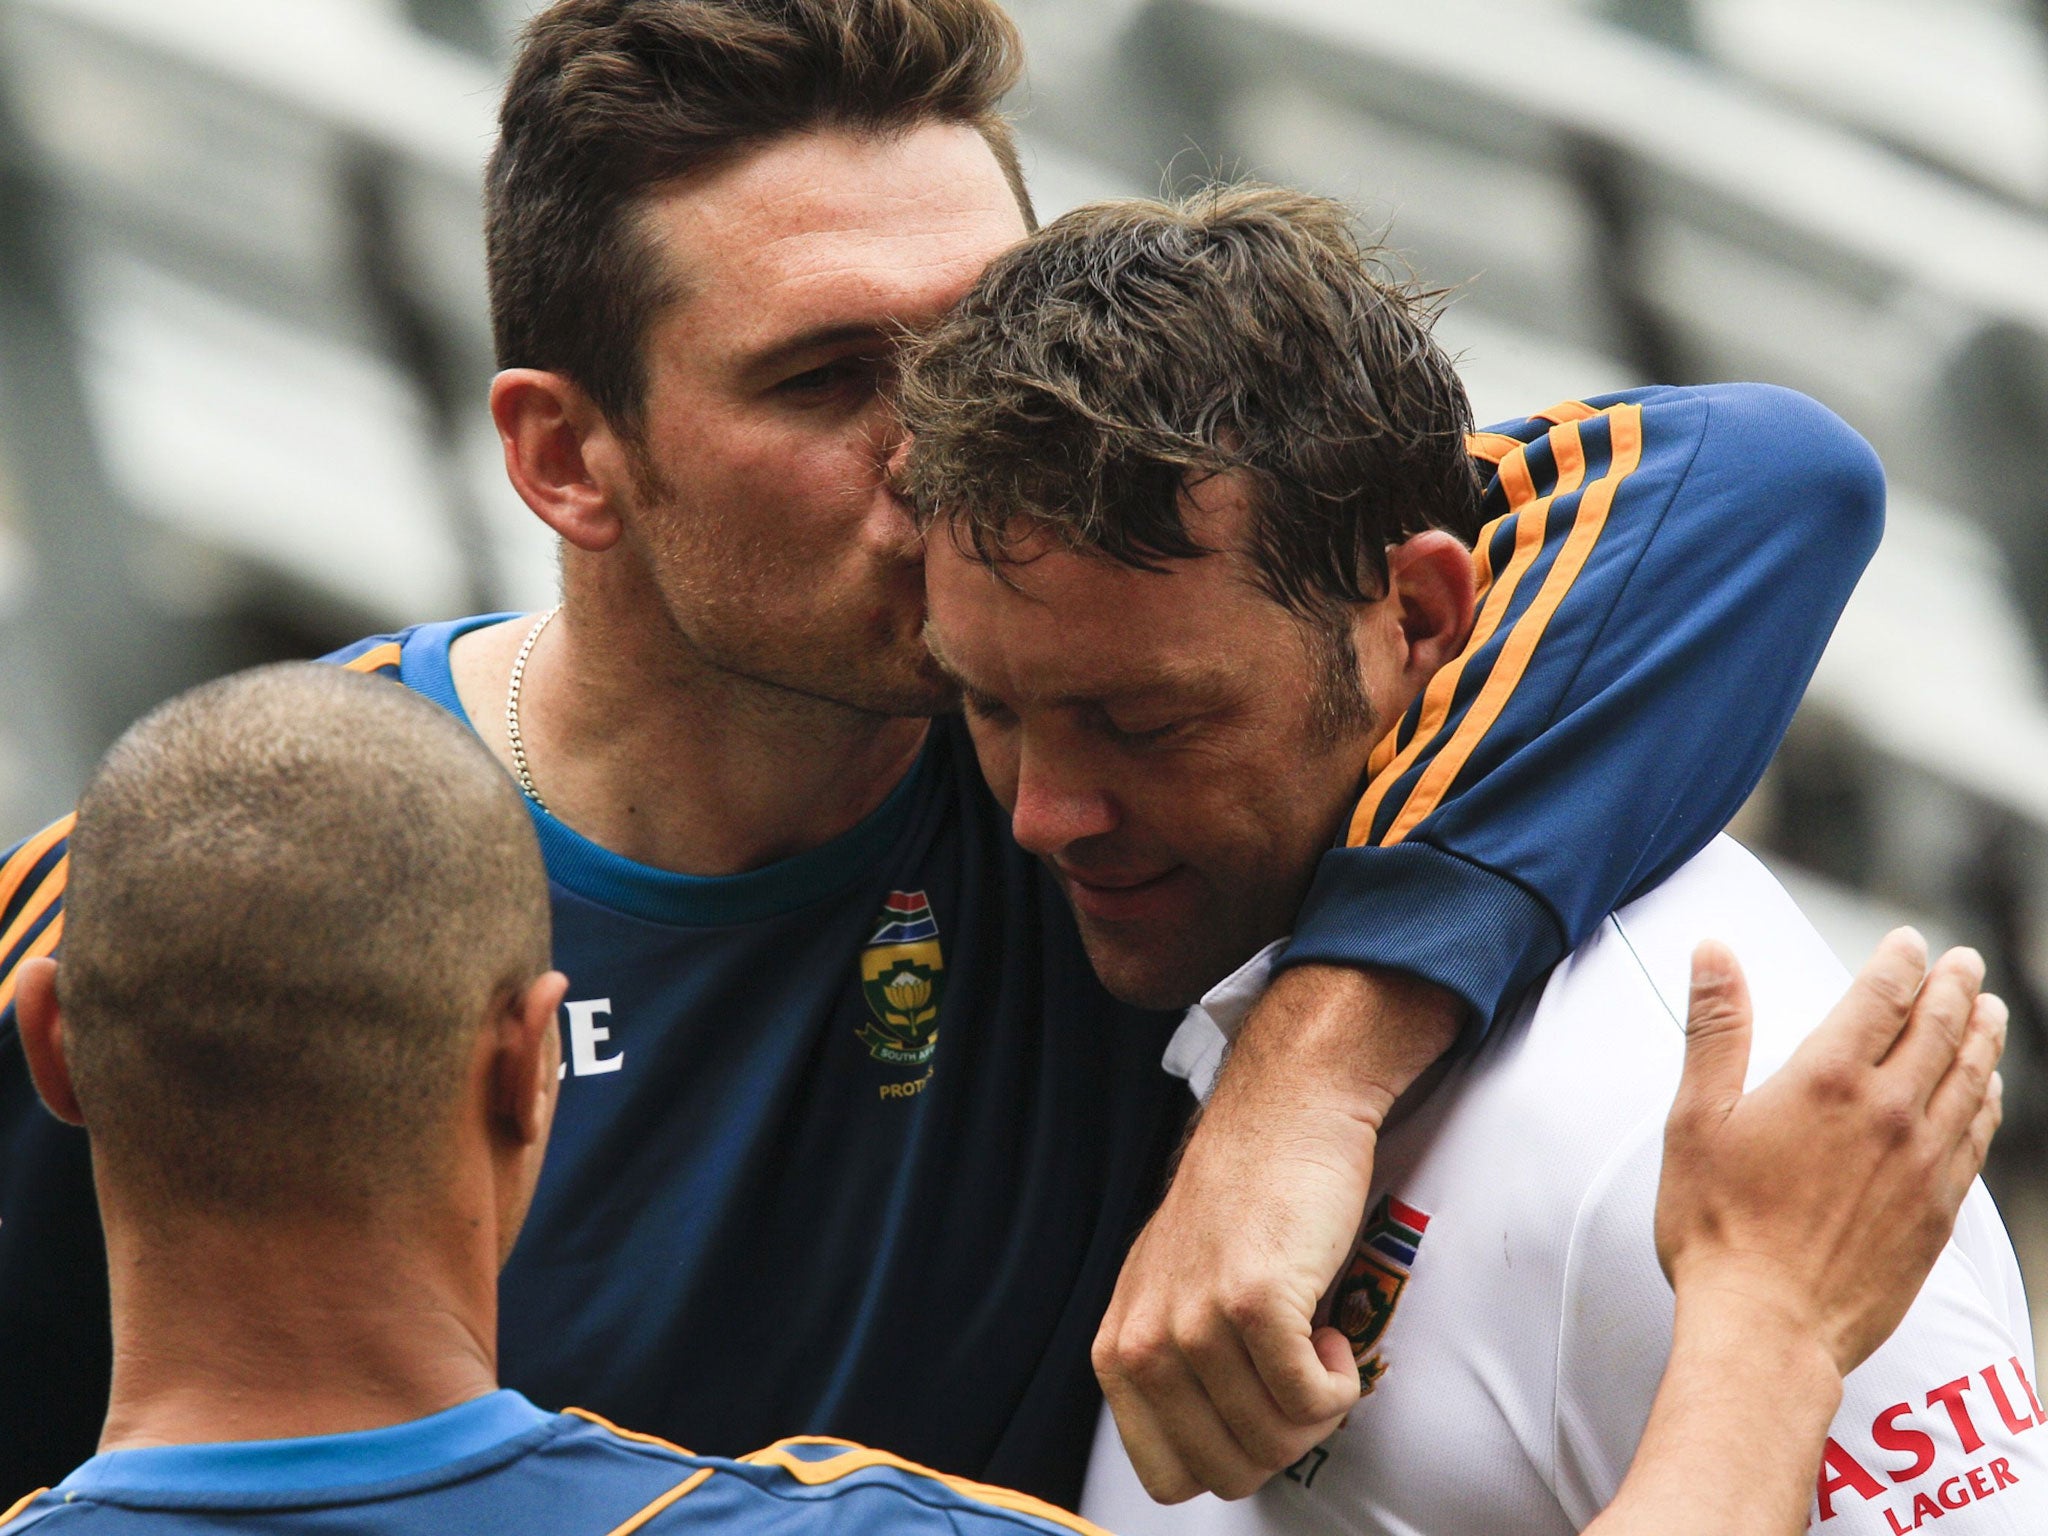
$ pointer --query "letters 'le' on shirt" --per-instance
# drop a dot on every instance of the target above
(854, 1144)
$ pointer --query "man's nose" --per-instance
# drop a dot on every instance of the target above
(1058, 804)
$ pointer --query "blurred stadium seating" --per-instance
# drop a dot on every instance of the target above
(243, 341)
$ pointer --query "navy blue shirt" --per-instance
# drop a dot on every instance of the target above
(498, 1464)
(854, 1144)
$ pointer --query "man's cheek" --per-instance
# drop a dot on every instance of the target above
(998, 755)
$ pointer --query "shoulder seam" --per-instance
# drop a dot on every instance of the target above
(861, 1458)
(1601, 1177)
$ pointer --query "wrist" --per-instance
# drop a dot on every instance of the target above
(1749, 1323)
(1341, 1041)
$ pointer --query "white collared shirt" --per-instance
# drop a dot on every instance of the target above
(1530, 1322)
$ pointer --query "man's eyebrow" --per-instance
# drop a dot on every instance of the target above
(817, 339)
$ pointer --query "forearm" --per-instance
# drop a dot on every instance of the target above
(1734, 1439)
(1336, 1041)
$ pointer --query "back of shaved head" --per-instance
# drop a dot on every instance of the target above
(295, 896)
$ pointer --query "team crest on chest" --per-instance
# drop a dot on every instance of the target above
(1371, 1285)
(902, 976)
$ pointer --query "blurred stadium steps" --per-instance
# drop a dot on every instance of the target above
(267, 222)
(1959, 84)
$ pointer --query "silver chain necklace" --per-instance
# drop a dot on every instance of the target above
(519, 767)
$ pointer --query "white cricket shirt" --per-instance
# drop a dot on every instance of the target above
(1507, 1278)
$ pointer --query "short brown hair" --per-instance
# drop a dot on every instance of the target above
(1133, 347)
(294, 896)
(610, 99)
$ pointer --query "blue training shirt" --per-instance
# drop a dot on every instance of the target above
(854, 1144)
(501, 1465)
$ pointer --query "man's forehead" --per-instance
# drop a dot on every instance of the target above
(1060, 626)
(992, 664)
(817, 227)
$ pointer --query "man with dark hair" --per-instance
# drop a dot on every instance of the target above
(610, 100)
(824, 1003)
(307, 1021)
(1157, 444)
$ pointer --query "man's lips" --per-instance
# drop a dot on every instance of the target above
(1120, 897)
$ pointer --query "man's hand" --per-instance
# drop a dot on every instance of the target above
(1798, 1222)
(1209, 1355)
(1828, 1192)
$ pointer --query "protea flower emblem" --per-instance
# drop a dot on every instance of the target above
(902, 975)
(908, 994)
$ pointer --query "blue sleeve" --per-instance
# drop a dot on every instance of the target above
(1660, 574)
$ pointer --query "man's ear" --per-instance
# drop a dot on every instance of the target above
(41, 1023)
(1431, 576)
(561, 455)
(526, 1065)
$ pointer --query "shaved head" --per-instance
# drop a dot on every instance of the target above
(295, 897)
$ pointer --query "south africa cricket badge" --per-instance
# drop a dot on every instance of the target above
(902, 976)
(1370, 1287)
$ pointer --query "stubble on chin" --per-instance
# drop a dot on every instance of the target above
(1157, 976)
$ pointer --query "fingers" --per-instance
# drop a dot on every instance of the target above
(1269, 1435)
(1969, 1103)
(1977, 1145)
(1717, 1030)
(1176, 1438)
(1196, 1405)
(1955, 1100)
(1152, 1454)
(1305, 1386)
(1935, 1031)
(1872, 1015)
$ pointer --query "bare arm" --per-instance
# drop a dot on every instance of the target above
(1797, 1223)
(1297, 1107)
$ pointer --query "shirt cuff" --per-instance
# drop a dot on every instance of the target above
(1435, 915)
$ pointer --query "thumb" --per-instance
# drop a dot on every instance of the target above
(1716, 1034)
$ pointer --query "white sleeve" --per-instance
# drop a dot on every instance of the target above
(1944, 1422)
(1939, 1425)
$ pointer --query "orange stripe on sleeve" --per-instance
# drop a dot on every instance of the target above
(46, 894)
(859, 1457)
(16, 869)
(45, 942)
(376, 658)
(1625, 430)
(1534, 512)
(1490, 446)
(7, 1515)
(687, 1485)
(1566, 410)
